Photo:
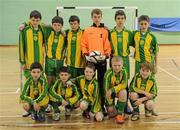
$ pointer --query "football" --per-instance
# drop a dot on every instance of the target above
(95, 56)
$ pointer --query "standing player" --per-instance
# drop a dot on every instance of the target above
(95, 38)
(74, 58)
(121, 38)
(55, 49)
(145, 44)
(31, 43)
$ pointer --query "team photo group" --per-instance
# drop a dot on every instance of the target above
(87, 69)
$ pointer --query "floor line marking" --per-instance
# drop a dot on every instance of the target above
(169, 73)
(159, 113)
(164, 122)
(51, 124)
(4, 93)
(18, 90)
(177, 66)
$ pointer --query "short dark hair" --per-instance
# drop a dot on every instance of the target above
(147, 66)
(91, 66)
(96, 11)
(36, 14)
(120, 12)
(57, 19)
(144, 18)
(36, 65)
(64, 69)
(73, 18)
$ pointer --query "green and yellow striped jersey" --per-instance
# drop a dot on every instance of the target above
(55, 44)
(120, 42)
(145, 45)
(90, 92)
(115, 82)
(34, 91)
(74, 56)
(31, 47)
(148, 85)
(59, 92)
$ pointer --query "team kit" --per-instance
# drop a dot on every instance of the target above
(68, 68)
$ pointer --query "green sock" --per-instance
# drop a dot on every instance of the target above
(135, 108)
(31, 110)
(55, 107)
(42, 109)
(120, 106)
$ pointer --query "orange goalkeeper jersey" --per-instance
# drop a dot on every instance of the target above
(95, 39)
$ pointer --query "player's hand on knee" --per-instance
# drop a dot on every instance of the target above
(26, 106)
(64, 103)
(76, 105)
(148, 95)
(138, 102)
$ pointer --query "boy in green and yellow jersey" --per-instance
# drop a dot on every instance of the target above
(31, 41)
(34, 96)
(63, 94)
(143, 90)
(90, 101)
(55, 49)
(115, 83)
(145, 44)
(74, 58)
(121, 38)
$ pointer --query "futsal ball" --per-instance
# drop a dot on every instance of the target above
(95, 56)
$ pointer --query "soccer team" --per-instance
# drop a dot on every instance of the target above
(69, 80)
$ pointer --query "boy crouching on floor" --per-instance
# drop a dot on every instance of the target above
(64, 94)
(34, 96)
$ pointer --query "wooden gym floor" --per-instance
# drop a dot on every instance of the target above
(167, 102)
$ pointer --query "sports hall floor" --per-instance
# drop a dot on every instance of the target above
(167, 102)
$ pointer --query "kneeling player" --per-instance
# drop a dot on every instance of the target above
(34, 96)
(115, 83)
(63, 94)
(90, 101)
(143, 90)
